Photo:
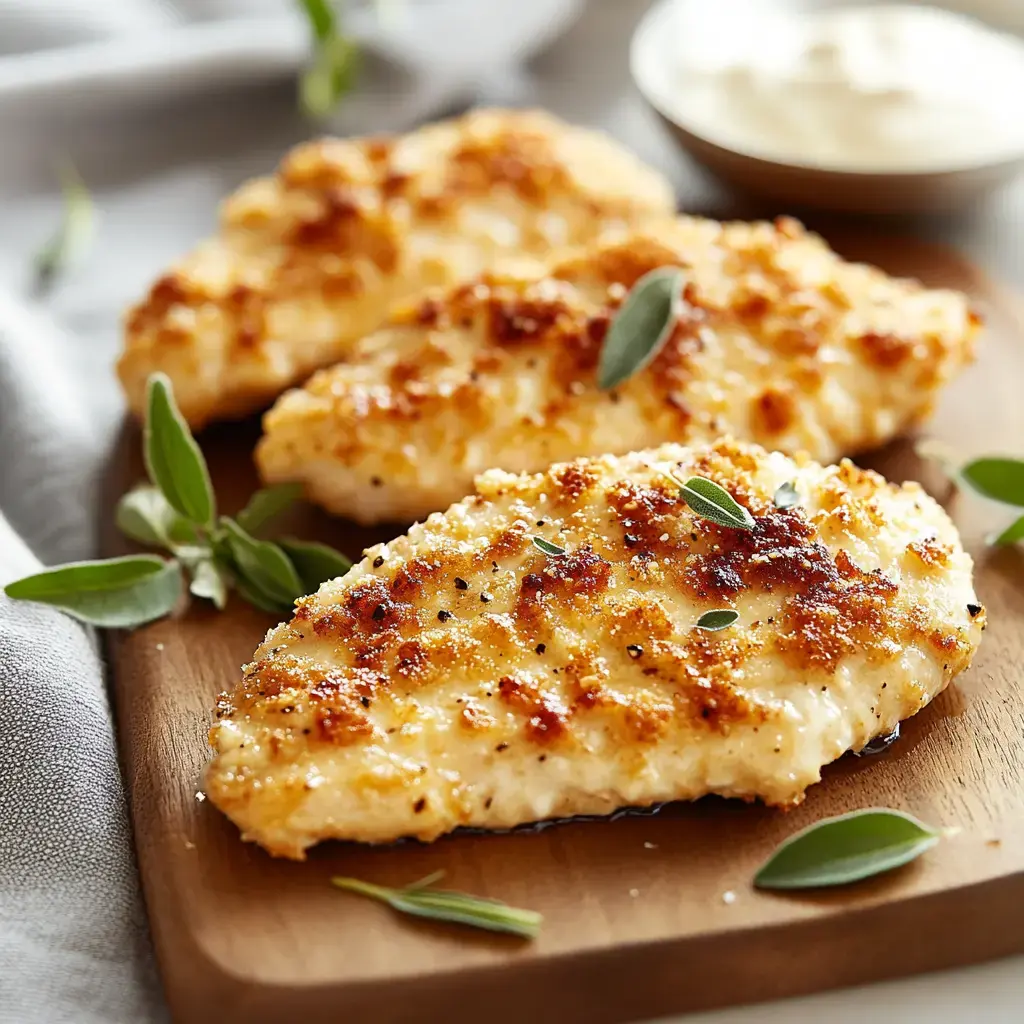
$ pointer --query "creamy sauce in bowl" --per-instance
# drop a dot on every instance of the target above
(871, 89)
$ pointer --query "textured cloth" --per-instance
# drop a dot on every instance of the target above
(164, 108)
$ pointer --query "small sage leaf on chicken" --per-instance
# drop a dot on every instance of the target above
(549, 549)
(718, 619)
(420, 900)
(641, 326)
(787, 496)
(1001, 479)
(77, 226)
(315, 563)
(267, 504)
(145, 515)
(173, 459)
(262, 565)
(117, 593)
(846, 849)
(710, 501)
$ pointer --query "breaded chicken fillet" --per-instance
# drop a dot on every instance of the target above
(460, 676)
(778, 341)
(307, 261)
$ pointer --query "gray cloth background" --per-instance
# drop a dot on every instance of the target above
(165, 107)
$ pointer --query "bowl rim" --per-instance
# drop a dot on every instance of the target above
(658, 11)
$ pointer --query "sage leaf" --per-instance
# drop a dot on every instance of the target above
(315, 563)
(258, 599)
(445, 905)
(209, 582)
(335, 61)
(263, 565)
(266, 504)
(145, 515)
(712, 502)
(173, 459)
(846, 849)
(1000, 479)
(787, 496)
(641, 326)
(1013, 533)
(718, 619)
(549, 549)
(78, 221)
(116, 593)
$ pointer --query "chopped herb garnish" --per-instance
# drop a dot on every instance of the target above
(718, 619)
(641, 326)
(549, 549)
(420, 900)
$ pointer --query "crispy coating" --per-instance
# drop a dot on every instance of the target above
(311, 259)
(458, 676)
(779, 341)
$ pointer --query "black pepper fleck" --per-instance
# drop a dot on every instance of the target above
(634, 650)
(365, 701)
(379, 612)
(973, 609)
(420, 804)
(540, 648)
(444, 616)
(501, 747)
(378, 561)
(486, 598)
(461, 584)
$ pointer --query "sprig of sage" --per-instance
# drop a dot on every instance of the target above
(719, 618)
(73, 235)
(846, 849)
(420, 900)
(335, 63)
(641, 326)
(177, 512)
(998, 478)
(711, 501)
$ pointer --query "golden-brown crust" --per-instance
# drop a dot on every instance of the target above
(595, 653)
(310, 259)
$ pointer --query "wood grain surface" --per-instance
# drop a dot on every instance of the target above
(635, 920)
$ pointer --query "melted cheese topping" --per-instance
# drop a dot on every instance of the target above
(311, 259)
(779, 341)
(458, 676)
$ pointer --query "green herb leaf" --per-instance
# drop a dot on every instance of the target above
(718, 619)
(209, 581)
(444, 905)
(315, 563)
(72, 237)
(267, 504)
(322, 19)
(258, 599)
(117, 593)
(1013, 533)
(335, 62)
(846, 849)
(641, 327)
(173, 459)
(1000, 479)
(145, 515)
(787, 496)
(263, 566)
(712, 502)
(549, 549)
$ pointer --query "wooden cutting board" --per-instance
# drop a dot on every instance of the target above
(637, 923)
